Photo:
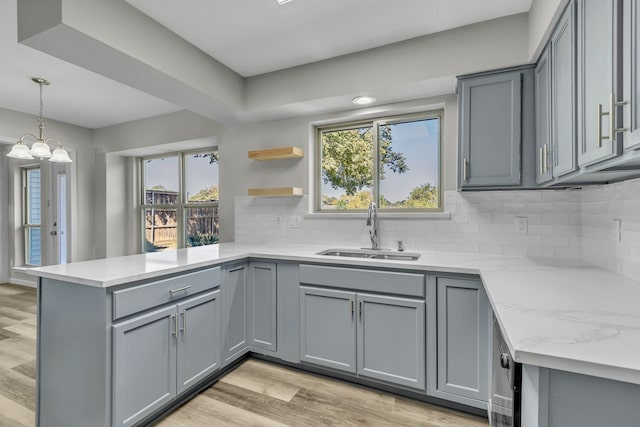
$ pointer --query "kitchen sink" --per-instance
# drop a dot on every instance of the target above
(371, 254)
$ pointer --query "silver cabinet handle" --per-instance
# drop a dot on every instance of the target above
(613, 105)
(599, 136)
(352, 307)
(360, 309)
(184, 288)
(541, 161)
(545, 158)
(174, 320)
(465, 169)
(505, 361)
(184, 321)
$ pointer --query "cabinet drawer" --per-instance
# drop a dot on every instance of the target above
(138, 298)
(363, 280)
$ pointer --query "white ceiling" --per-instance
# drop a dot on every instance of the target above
(75, 96)
(249, 36)
(258, 36)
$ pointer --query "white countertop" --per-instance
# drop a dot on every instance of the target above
(569, 316)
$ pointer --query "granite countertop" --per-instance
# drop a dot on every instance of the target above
(568, 315)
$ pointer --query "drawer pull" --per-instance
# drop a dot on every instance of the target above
(184, 288)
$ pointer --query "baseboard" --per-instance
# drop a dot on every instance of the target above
(22, 282)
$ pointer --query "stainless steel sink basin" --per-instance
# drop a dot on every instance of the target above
(371, 254)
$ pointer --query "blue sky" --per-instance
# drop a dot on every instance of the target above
(200, 174)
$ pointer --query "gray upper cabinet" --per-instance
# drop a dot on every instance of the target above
(462, 342)
(235, 325)
(391, 339)
(490, 130)
(631, 75)
(198, 339)
(543, 117)
(328, 328)
(144, 365)
(262, 305)
(598, 41)
(562, 49)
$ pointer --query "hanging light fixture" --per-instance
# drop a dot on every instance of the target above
(40, 147)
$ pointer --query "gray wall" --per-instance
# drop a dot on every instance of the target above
(542, 17)
(238, 172)
(77, 139)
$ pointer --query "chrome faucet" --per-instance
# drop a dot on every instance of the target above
(372, 221)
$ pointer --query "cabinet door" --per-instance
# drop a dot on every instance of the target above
(328, 328)
(391, 339)
(234, 310)
(262, 305)
(563, 94)
(631, 75)
(597, 43)
(462, 339)
(198, 339)
(144, 365)
(490, 130)
(543, 117)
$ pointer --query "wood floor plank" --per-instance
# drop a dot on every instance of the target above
(28, 369)
(25, 344)
(16, 412)
(23, 328)
(205, 412)
(11, 357)
(5, 333)
(12, 313)
(17, 387)
(263, 384)
(10, 290)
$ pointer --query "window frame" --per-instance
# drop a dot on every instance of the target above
(26, 225)
(375, 123)
(181, 205)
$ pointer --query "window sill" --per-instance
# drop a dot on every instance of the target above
(381, 215)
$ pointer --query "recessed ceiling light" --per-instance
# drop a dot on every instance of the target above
(363, 100)
(283, 1)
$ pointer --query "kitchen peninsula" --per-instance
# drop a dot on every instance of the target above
(574, 327)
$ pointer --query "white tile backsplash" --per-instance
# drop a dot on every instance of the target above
(600, 206)
(564, 224)
(480, 222)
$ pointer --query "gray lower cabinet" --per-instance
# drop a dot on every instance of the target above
(144, 365)
(461, 342)
(262, 305)
(235, 325)
(391, 339)
(375, 336)
(156, 356)
(328, 328)
(496, 129)
(198, 339)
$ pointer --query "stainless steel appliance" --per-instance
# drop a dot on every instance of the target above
(506, 384)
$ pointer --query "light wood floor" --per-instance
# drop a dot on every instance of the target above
(257, 393)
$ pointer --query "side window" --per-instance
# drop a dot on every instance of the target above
(32, 216)
(180, 200)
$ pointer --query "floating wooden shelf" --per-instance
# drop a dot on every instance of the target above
(277, 153)
(280, 191)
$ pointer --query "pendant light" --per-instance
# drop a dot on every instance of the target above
(40, 147)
